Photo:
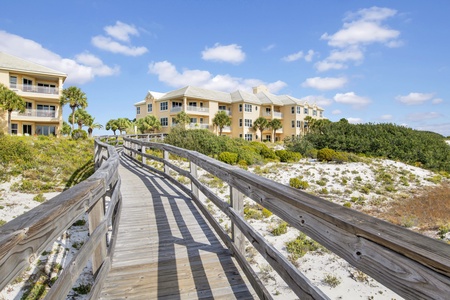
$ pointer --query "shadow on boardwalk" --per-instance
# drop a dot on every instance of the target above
(165, 248)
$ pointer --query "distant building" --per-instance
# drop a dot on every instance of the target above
(40, 87)
(243, 108)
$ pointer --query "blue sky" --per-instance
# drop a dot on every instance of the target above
(366, 61)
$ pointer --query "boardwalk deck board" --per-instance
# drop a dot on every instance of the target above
(165, 249)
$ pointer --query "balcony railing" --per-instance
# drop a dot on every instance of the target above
(37, 113)
(176, 109)
(198, 126)
(228, 112)
(276, 114)
(198, 109)
(35, 89)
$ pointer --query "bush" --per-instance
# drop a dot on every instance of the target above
(280, 229)
(298, 184)
(228, 158)
(326, 154)
(301, 245)
(79, 134)
(288, 156)
(266, 213)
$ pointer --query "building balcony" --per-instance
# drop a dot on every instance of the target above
(228, 112)
(197, 126)
(197, 109)
(176, 109)
(27, 88)
(35, 114)
(276, 115)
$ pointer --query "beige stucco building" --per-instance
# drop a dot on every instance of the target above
(40, 87)
(242, 107)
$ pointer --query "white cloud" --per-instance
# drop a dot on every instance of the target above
(414, 98)
(325, 83)
(359, 30)
(310, 55)
(300, 55)
(229, 53)
(83, 68)
(352, 99)
(168, 74)
(336, 112)
(386, 117)
(355, 120)
(269, 47)
(106, 43)
(437, 100)
(422, 116)
(319, 100)
(121, 31)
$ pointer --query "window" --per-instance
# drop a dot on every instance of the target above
(240, 135)
(268, 111)
(28, 105)
(240, 122)
(194, 120)
(248, 107)
(163, 106)
(298, 124)
(164, 121)
(45, 130)
(306, 111)
(314, 112)
(27, 84)
(222, 107)
(293, 124)
(176, 104)
(293, 109)
(26, 129)
(248, 122)
(14, 128)
(193, 104)
(13, 82)
(248, 136)
(268, 137)
(138, 110)
(44, 110)
(240, 107)
(149, 107)
(46, 88)
(321, 114)
(299, 110)
(201, 120)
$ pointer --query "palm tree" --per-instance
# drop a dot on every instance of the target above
(65, 128)
(80, 117)
(112, 125)
(123, 124)
(90, 123)
(148, 124)
(75, 98)
(260, 124)
(275, 124)
(182, 119)
(221, 119)
(10, 101)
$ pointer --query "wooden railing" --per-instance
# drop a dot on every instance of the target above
(412, 265)
(25, 237)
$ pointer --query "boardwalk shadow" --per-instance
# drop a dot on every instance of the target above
(192, 262)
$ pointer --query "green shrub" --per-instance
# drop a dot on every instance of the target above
(326, 154)
(266, 213)
(39, 198)
(252, 213)
(347, 204)
(288, 156)
(228, 158)
(298, 184)
(79, 134)
(301, 245)
(280, 229)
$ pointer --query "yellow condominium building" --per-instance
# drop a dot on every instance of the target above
(243, 108)
(40, 87)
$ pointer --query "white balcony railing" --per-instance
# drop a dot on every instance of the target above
(198, 126)
(34, 89)
(176, 109)
(198, 109)
(228, 112)
(37, 113)
(276, 114)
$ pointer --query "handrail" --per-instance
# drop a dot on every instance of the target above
(22, 239)
(412, 265)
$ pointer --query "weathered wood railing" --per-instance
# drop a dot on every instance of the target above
(25, 237)
(410, 264)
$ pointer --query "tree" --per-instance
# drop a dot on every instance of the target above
(260, 124)
(10, 101)
(182, 119)
(65, 128)
(123, 124)
(75, 98)
(148, 124)
(80, 117)
(275, 124)
(112, 125)
(220, 120)
(90, 123)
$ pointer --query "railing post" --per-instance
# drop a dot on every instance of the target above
(144, 159)
(237, 202)
(194, 188)
(166, 158)
(97, 155)
(95, 217)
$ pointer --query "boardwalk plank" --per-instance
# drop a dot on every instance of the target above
(165, 249)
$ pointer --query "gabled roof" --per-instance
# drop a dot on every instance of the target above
(241, 96)
(268, 98)
(13, 63)
(199, 93)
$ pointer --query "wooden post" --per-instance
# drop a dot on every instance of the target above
(144, 159)
(97, 156)
(95, 216)
(237, 202)
(194, 188)
(166, 158)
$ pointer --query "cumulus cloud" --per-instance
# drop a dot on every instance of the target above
(82, 68)
(299, 55)
(118, 34)
(336, 112)
(355, 120)
(386, 117)
(325, 83)
(169, 74)
(268, 48)
(423, 116)
(360, 29)
(352, 99)
(437, 100)
(414, 98)
(319, 100)
(229, 53)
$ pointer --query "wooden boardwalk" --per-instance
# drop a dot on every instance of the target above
(165, 249)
